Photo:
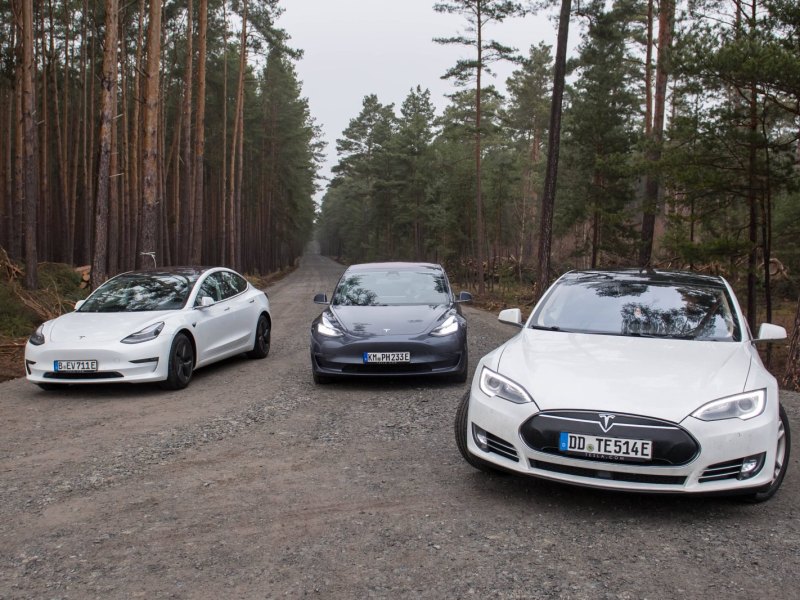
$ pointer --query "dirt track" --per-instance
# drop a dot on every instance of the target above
(255, 483)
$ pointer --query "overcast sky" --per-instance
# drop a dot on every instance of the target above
(385, 47)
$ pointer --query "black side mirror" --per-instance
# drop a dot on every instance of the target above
(321, 299)
(465, 297)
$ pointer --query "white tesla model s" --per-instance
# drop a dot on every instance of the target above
(629, 380)
(157, 325)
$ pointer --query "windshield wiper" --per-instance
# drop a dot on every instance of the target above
(543, 328)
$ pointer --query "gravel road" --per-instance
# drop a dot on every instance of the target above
(255, 483)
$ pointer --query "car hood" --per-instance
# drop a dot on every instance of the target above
(389, 320)
(101, 327)
(666, 379)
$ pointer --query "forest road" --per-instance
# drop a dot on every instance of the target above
(255, 483)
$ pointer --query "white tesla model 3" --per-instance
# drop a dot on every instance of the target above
(630, 380)
(157, 325)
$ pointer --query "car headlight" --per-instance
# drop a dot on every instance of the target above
(449, 326)
(325, 327)
(37, 337)
(493, 384)
(741, 406)
(145, 335)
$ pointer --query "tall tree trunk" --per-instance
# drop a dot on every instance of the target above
(29, 144)
(186, 219)
(232, 193)
(108, 102)
(150, 183)
(666, 19)
(136, 146)
(554, 142)
(200, 136)
(481, 242)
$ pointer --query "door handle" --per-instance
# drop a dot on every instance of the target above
(227, 309)
(252, 300)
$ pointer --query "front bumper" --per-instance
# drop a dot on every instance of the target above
(116, 362)
(430, 355)
(714, 469)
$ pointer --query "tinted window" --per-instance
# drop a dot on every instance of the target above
(392, 288)
(135, 292)
(235, 282)
(639, 308)
(210, 288)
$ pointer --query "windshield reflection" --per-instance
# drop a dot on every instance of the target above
(138, 292)
(603, 304)
(392, 288)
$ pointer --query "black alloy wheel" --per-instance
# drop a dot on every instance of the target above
(262, 342)
(181, 363)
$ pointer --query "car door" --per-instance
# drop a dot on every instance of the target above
(211, 323)
(243, 310)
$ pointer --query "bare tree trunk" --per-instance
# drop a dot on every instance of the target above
(232, 194)
(666, 19)
(29, 144)
(200, 136)
(481, 242)
(554, 142)
(150, 184)
(108, 102)
(136, 145)
(791, 377)
(186, 219)
(223, 222)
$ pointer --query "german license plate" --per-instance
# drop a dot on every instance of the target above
(74, 366)
(605, 446)
(387, 357)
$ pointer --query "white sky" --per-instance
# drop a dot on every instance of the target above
(385, 47)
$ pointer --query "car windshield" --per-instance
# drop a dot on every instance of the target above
(640, 308)
(137, 292)
(392, 288)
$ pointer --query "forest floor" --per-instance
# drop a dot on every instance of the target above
(256, 483)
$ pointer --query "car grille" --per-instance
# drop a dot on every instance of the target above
(608, 475)
(672, 445)
(501, 447)
(79, 376)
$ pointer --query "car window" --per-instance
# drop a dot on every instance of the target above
(210, 288)
(392, 288)
(235, 281)
(639, 308)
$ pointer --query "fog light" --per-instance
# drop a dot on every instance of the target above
(480, 438)
(751, 465)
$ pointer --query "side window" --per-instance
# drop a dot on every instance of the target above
(236, 281)
(229, 284)
(211, 288)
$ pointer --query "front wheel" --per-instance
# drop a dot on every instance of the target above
(181, 363)
(781, 461)
(262, 342)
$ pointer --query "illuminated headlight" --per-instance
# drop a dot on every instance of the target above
(145, 335)
(37, 337)
(449, 326)
(742, 406)
(493, 384)
(325, 327)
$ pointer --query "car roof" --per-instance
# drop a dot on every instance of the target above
(394, 266)
(656, 276)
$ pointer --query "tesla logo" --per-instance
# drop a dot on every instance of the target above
(606, 421)
(386, 330)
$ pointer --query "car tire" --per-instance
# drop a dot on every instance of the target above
(181, 363)
(262, 341)
(461, 424)
(781, 462)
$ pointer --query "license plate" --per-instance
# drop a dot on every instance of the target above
(605, 446)
(387, 357)
(75, 366)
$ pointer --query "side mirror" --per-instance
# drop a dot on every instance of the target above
(512, 316)
(321, 299)
(79, 303)
(206, 301)
(770, 333)
(464, 297)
